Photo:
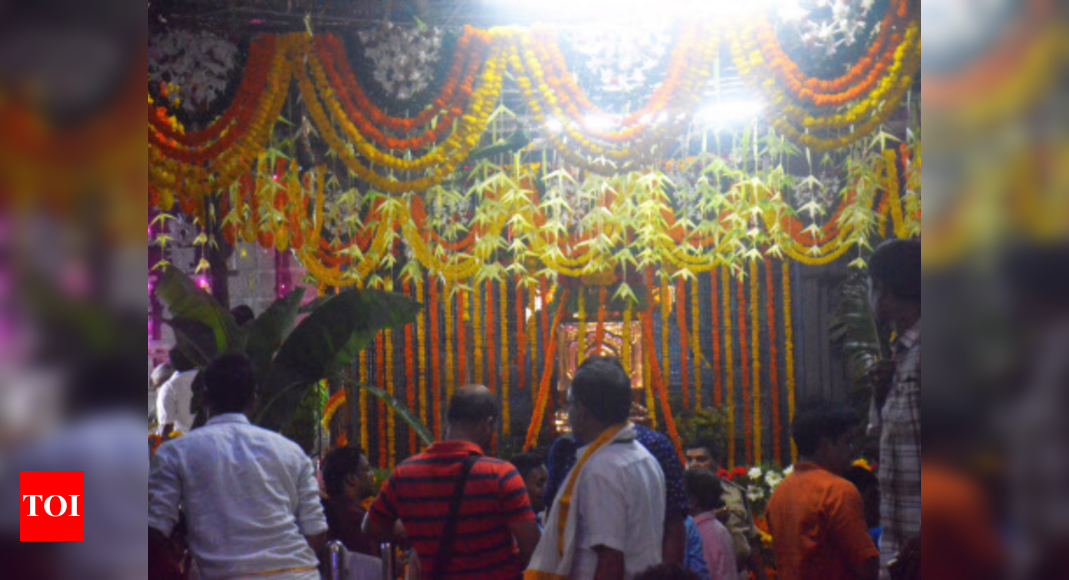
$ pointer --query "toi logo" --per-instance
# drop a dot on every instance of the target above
(51, 506)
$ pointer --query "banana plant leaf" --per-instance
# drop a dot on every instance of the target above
(186, 301)
(398, 409)
(325, 343)
(265, 334)
(854, 331)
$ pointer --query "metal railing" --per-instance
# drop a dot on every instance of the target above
(338, 557)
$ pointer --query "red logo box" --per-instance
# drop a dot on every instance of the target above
(51, 506)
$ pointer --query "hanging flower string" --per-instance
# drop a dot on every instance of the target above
(755, 344)
(681, 321)
(547, 375)
(788, 340)
(729, 367)
(773, 364)
(506, 362)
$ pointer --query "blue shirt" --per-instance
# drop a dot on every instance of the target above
(562, 457)
(695, 557)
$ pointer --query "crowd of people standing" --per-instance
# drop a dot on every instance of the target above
(611, 500)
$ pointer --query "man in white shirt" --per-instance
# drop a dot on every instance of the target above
(620, 494)
(174, 398)
(249, 495)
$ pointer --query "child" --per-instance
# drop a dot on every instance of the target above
(868, 485)
(704, 493)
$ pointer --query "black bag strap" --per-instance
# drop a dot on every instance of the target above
(445, 550)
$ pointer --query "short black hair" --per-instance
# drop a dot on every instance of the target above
(862, 478)
(673, 571)
(527, 462)
(708, 445)
(818, 420)
(705, 487)
(230, 384)
(180, 360)
(896, 266)
(602, 386)
(340, 463)
(242, 314)
(468, 408)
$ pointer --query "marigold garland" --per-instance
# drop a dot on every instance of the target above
(661, 387)
(695, 344)
(625, 349)
(363, 373)
(505, 360)
(331, 407)
(788, 340)
(391, 421)
(663, 366)
(547, 375)
(436, 368)
(421, 341)
(448, 320)
(380, 379)
(475, 308)
(521, 336)
(714, 312)
(755, 343)
(729, 367)
(462, 346)
(410, 373)
(581, 337)
(681, 321)
(773, 363)
(599, 330)
(491, 371)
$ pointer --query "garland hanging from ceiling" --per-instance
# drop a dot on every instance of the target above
(411, 154)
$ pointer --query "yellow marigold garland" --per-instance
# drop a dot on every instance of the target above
(364, 438)
(478, 371)
(421, 337)
(695, 344)
(582, 325)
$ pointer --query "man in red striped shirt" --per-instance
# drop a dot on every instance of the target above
(495, 531)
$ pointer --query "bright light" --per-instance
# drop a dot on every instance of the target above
(733, 113)
(635, 10)
(599, 122)
(554, 126)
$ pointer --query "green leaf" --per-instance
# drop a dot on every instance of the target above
(265, 335)
(398, 409)
(186, 300)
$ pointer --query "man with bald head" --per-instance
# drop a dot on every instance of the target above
(467, 515)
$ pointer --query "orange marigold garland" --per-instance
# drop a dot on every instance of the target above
(714, 303)
(755, 343)
(380, 380)
(729, 366)
(521, 336)
(681, 321)
(477, 331)
(363, 402)
(436, 372)
(547, 375)
(744, 353)
(660, 386)
(773, 363)
(788, 341)
(448, 321)
(695, 341)
(666, 311)
(410, 374)
(421, 345)
(491, 337)
(506, 428)
(391, 425)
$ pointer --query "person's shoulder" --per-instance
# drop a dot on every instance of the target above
(838, 487)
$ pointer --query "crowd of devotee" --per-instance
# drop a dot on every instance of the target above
(608, 500)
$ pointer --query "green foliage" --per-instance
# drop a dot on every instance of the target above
(290, 359)
(854, 331)
(709, 424)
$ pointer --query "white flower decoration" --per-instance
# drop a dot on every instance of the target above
(196, 65)
(402, 58)
(755, 474)
(787, 472)
(847, 22)
(773, 479)
(754, 494)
